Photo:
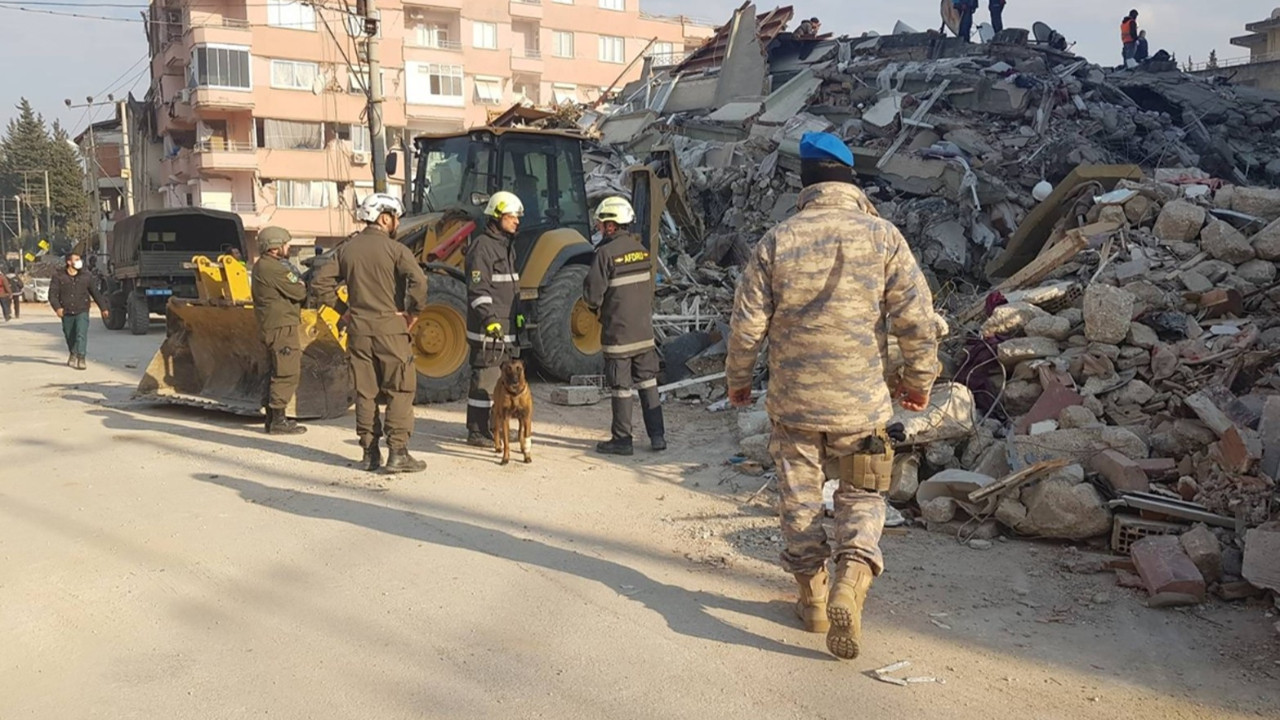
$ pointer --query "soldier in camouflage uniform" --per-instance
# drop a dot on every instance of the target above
(826, 287)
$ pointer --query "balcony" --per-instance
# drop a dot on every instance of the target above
(214, 98)
(526, 9)
(413, 41)
(219, 30)
(527, 60)
(218, 154)
(174, 56)
(1237, 61)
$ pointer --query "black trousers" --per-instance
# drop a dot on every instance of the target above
(625, 376)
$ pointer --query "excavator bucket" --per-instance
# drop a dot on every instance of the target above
(212, 356)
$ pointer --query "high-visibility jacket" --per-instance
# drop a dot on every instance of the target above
(1128, 31)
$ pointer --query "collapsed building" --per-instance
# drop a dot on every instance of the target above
(1103, 244)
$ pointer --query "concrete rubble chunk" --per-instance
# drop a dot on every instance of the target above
(1122, 473)
(950, 416)
(1262, 557)
(1205, 551)
(756, 449)
(1054, 327)
(1194, 281)
(1179, 221)
(1107, 313)
(1077, 416)
(906, 478)
(1169, 575)
(1267, 242)
(753, 422)
(1064, 507)
(1225, 243)
(939, 510)
(1011, 318)
(1142, 336)
(1135, 392)
(1076, 445)
(1012, 352)
(575, 395)
(1269, 429)
(1258, 272)
(1262, 202)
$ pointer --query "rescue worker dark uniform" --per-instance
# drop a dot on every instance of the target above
(278, 294)
(619, 286)
(493, 286)
(373, 265)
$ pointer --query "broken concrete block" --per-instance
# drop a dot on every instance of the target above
(1262, 202)
(1054, 327)
(1262, 557)
(1258, 272)
(1269, 429)
(1020, 396)
(947, 248)
(939, 510)
(1139, 210)
(1215, 270)
(1142, 336)
(1121, 472)
(1011, 318)
(1135, 392)
(1064, 507)
(1169, 575)
(1179, 221)
(575, 395)
(1267, 242)
(1076, 445)
(1107, 313)
(756, 449)
(1077, 416)
(1201, 403)
(1225, 243)
(754, 422)
(1010, 512)
(1012, 352)
(1194, 281)
(950, 415)
(906, 478)
(1203, 548)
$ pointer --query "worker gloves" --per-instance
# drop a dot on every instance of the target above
(494, 330)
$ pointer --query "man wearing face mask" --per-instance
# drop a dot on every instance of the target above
(69, 293)
(374, 265)
(493, 285)
(278, 294)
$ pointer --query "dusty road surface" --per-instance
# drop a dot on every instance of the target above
(160, 562)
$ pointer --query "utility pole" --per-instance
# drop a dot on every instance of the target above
(377, 133)
(22, 251)
(126, 157)
(92, 163)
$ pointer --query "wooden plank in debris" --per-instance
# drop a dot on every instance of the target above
(917, 116)
(1045, 263)
(690, 382)
(1017, 479)
(1202, 404)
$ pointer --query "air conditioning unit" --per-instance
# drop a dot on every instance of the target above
(360, 158)
(184, 95)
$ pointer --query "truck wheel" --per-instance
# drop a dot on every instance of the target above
(119, 314)
(567, 340)
(440, 350)
(139, 314)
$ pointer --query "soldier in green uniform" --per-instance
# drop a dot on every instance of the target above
(278, 294)
(373, 265)
(825, 287)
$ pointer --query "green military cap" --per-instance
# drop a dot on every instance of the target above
(272, 237)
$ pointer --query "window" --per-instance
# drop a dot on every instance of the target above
(303, 193)
(484, 35)
(662, 52)
(488, 90)
(221, 66)
(433, 84)
(361, 189)
(431, 36)
(291, 75)
(613, 4)
(612, 49)
(562, 93)
(358, 82)
(292, 14)
(290, 135)
(563, 44)
(359, 137)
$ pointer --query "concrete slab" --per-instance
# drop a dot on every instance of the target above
(744, 72)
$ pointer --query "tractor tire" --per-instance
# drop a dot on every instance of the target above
(119, 314)
(441, 355)
(567, 339)
(139, 314)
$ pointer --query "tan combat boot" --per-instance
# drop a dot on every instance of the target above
(844, 608)
(811, 608)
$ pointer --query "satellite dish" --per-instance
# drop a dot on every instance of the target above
(1041, 32)
(951, 17)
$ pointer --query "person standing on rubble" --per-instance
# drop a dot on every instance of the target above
(1141, 50)
(278, 294)
(997, 14)
(808, 29)
(966, 8)
(619, 288)
(824, 287)
(1129, 36)
(493, 288)
(373, 265)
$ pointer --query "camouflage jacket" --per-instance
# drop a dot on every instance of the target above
(826, 286)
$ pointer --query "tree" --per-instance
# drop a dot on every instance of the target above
(1190, 65)
(1213, 60)
(27, 151)
(25, 146)
(66, 186)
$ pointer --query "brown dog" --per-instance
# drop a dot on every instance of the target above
(512, 401)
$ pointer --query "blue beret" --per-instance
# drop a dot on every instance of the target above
(825, 146)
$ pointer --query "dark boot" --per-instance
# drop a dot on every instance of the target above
(400, 461)
(372, 459)
(479, 433)
(653, 422)
(279, 424)
(616, 446)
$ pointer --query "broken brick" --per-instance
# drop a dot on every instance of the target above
(1236, 590)
(1204, 550)
(1169, 575)
(1240, 450)
(1219, 302)
(1123, 474)
(1159, 468)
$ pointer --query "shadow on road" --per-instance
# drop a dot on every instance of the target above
(685, 612)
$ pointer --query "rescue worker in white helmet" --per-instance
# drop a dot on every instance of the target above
(493, 285)
(619, 287)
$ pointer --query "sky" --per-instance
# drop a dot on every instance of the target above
(48, 58)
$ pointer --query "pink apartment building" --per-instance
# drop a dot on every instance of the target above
(260, 104)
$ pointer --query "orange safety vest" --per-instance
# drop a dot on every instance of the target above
(1127, 35)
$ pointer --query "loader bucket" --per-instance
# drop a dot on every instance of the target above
(212, 357)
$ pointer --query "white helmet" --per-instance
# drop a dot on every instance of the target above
(616, 210)
(376, 204)
(504, 203)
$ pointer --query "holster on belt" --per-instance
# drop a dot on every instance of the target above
(870, 469)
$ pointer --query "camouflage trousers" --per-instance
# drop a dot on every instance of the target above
(804, 460)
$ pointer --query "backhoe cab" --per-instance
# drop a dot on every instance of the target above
(453, 177)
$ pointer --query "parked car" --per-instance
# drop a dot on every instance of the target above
(37, 290)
